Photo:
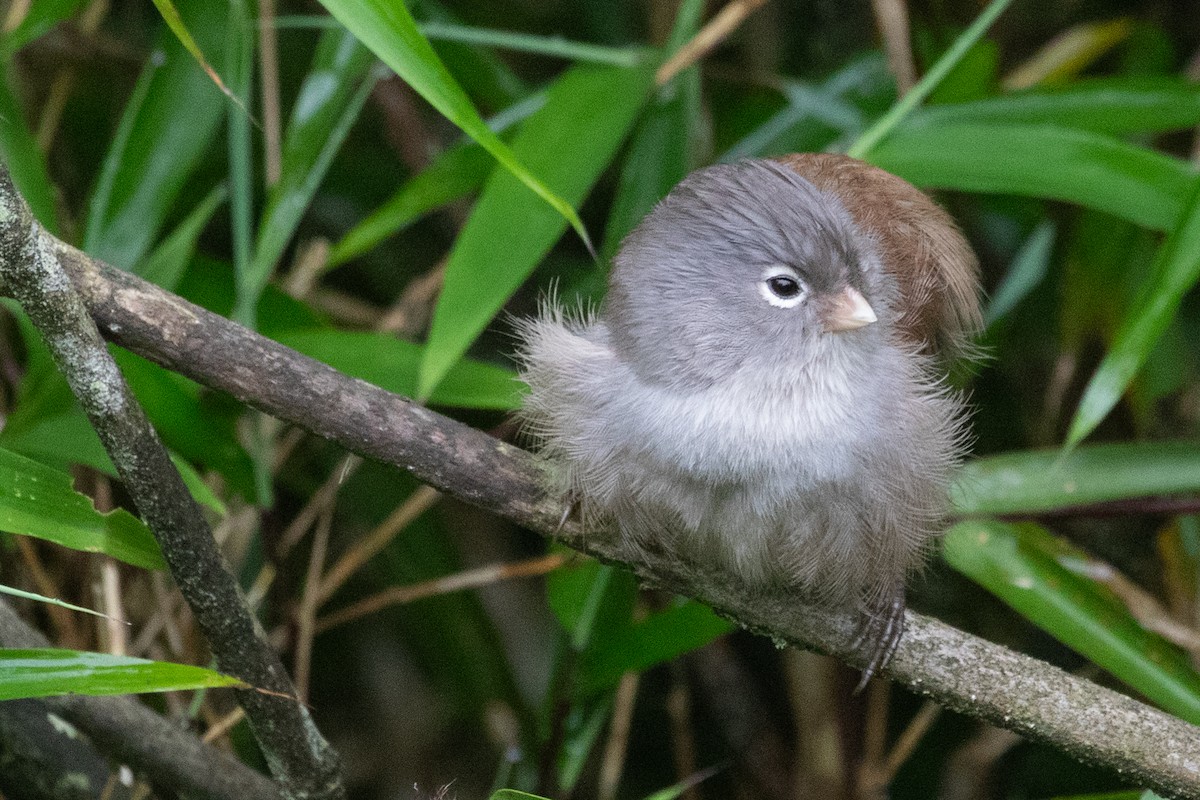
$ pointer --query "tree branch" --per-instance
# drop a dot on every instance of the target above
(961, 671)
(299, 757)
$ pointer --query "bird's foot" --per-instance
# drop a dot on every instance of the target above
(879, 630)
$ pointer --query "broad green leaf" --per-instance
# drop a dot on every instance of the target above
(1034, 481)
(392, 363)
(1113, 106)
(1039, 576)
(22, 156)
(47, 672)
(659, 638)
(570, 141)
(386, 27)
(1129, 182)
(167, 125)
(38, 501)
(165, 266)
(329, 103)
(1176, 270)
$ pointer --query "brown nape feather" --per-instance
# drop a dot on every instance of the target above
(918, 242)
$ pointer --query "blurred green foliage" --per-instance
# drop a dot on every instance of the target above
(396, 248)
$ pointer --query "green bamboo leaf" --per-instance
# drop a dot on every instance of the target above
(47, 672)
(592, 109)
(657, 639)
(330, 100)
(1129, 182)
(1176, 269)
(22, 156)
(38, 501)
(513, 794)
(389, 31)
(1113, 106)
(1029, 267)
(50, 601)
(392, 364)
(1039, 577)
(455, 174)
(166, 264)
(1035, 481)
(167, 125)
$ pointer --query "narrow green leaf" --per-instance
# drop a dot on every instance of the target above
(456, 173)
(38, 501)
(166, 127)
(22, 156)
(165, 265)
(1034, 481)
(1176, 270)
(532, 43)
(1113, 106)
(1040, 577)
(330, 100)
(513, 794)
(392, 364)
(50, 601)
(590, 109)
(389, 31)
(1028, 268)
(1129, 182)
(171, 16)
(47, 672)
(239, 65)
(914, 97)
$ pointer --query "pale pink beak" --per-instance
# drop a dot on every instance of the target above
(848, 311)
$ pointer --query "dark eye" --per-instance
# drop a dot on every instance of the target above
(783, 287)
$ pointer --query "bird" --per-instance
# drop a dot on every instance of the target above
(763, 388)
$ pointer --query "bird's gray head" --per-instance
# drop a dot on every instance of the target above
(743, 264)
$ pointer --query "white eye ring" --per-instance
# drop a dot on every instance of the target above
(782, 286)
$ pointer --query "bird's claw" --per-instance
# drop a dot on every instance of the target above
(879, 630)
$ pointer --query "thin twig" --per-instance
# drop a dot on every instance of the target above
(612, 763)
(892, 18)
(317, 503)
(917, 727)
(309, 601)
(468, 579)
(727, 20)
(61, 618)
(363, 550)
(223, 725)
(268, 67)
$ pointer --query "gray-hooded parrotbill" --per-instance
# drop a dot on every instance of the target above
(763, 387)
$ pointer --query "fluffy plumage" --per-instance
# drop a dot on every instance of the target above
(708, 411)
